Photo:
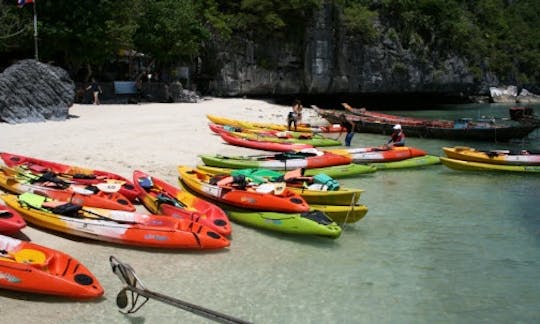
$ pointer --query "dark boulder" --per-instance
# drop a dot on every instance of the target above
(31, 91)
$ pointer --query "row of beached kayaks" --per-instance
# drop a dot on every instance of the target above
(255, 135)
(290, 191)
(100, 205)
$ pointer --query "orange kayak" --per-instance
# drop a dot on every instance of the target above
(75, 174)
(19, 181)
(272, 197)
(379, 154)
(307, 159)
(115, 226)
(160, 197)
(10, 220)
(29, 267)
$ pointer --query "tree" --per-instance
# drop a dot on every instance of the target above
(169, 31)
(86, 33)
(14, 24)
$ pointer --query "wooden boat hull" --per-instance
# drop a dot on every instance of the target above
(478, 166)
(494, 157)
(194, 208)
(199, 182)
(129, 228)
(10, 220)
(499, 133)
(76, 174)
(55, 273)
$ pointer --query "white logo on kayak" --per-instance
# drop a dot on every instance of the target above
(9, 277)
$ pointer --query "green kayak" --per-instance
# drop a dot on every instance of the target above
(308, 223)
(408, 163)
(336, 172)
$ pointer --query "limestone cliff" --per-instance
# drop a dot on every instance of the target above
(329, 60)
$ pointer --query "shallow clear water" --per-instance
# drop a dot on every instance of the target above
(437, 246)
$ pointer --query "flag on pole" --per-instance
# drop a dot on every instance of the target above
(21, 3)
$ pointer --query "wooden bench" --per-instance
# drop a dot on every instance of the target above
(127, 89)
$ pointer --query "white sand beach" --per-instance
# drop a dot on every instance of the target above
(437, 245)
(155, 138)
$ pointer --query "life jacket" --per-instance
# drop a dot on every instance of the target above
(327, 181)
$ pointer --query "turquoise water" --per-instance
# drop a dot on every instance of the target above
(437, 246)
(440, 245)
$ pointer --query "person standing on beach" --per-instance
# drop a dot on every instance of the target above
(397, 138)
(297, 110)
(96, 90)
(291, 119)
(349, 126)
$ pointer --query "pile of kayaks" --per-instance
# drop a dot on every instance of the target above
(467, 158)
(97, 205)
(306, 149)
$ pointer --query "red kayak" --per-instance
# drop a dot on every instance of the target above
(263, 145)
(10, 220)
(29, 267)
(75, 174)
(160, 197)
(18, 180)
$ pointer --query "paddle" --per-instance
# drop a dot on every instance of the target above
(47, 176)
(64, 208)
(161, 195)
(137, 289)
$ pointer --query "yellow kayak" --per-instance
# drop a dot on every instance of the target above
(493, 157)
(280, 127)
(478, 166)
(343, 214)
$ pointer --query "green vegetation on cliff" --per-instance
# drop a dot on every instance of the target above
(496, 35)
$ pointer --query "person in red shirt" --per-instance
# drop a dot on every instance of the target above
(397, 138)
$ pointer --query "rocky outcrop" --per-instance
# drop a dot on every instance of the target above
(330, 60)
(511, 94)
(525, 96)
(503, 94)
(31, 91)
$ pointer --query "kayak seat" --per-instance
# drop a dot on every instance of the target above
(146, 183)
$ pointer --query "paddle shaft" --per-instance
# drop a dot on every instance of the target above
(199, 310)
(107, 218)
